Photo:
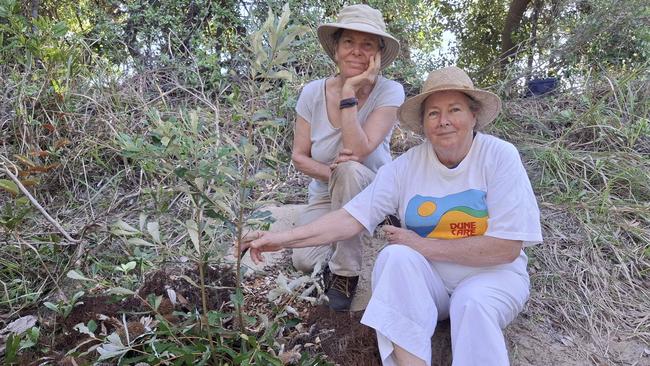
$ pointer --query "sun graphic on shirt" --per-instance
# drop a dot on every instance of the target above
(427, 209)
(454, 216)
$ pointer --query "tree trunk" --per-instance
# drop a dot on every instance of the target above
(515, 13)
(533, 37)
(35, 4)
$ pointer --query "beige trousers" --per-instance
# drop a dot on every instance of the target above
(346, 181)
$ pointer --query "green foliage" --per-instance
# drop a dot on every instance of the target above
(176, 119)
(626, 40)
(477, 26)
(38, 43)
(12, 348)
(161, 343)
(217, 171)
(64, 307)
(14, 211)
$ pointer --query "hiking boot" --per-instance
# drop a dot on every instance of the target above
(339, 290)
(390, 220)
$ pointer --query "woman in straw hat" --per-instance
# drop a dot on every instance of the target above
(342, 135)
(468, 209)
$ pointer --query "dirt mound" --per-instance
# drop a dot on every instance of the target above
(177, 287)
(343, 338)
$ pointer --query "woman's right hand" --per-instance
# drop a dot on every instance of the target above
(368, 77)
(259, 242)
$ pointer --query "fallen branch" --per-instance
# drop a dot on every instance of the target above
(37, 205)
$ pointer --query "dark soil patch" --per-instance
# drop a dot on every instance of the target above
(349, 343)
(343, 338)
(92, 308)
(219, 280)
(109, 312)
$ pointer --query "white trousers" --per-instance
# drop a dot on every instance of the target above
(408, 299)
(346, 181)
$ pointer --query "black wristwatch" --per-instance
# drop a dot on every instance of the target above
(348, 102)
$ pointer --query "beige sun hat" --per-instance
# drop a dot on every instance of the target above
(449, 78)
(360, 18)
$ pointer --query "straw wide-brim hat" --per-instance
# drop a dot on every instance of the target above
(360, 18)
(449, 79)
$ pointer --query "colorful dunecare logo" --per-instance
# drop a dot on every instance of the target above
(454, 216)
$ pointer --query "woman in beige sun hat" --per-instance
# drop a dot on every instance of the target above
(467, 209)
(342, 135)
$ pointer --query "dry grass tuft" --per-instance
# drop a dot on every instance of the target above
(587, 154)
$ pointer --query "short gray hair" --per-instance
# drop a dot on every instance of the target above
(474, 105)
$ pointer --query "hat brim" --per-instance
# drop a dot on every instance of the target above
(410, 113)
(326, 37)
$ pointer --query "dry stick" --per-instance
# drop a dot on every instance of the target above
(38, 206)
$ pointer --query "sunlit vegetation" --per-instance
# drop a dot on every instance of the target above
(139, 139)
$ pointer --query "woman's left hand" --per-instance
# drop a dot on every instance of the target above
(397, 235)
(344, 156)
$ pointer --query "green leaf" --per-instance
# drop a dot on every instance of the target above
(9, 186)
(237, 298)
(51, 306)
(77, 276)
(282, 74)
(127, 267)
(83, 329)
(22, 201)
(154, 230)
(121, 228)
(60, 29)
(121, 291)
(263, 175)
(11, 350)
(193, 231)
(141, 242)
(190, 281)
(92, 326)
(180, 172)
(142, 220)
(76, 296)
(124, 226)
(113, 348)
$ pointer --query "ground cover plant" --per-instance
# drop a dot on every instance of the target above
(124, 184)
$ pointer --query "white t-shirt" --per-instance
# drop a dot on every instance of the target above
(326, 141)
(488, 193)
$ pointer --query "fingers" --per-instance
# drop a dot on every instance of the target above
(391, 229)
(392, 233)
(374, 65)
(344, 155)
(256, 256)
(343, 159)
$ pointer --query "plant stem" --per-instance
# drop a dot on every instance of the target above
(204, 291)
(240, 228)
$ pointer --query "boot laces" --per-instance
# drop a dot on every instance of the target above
(341, 284)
